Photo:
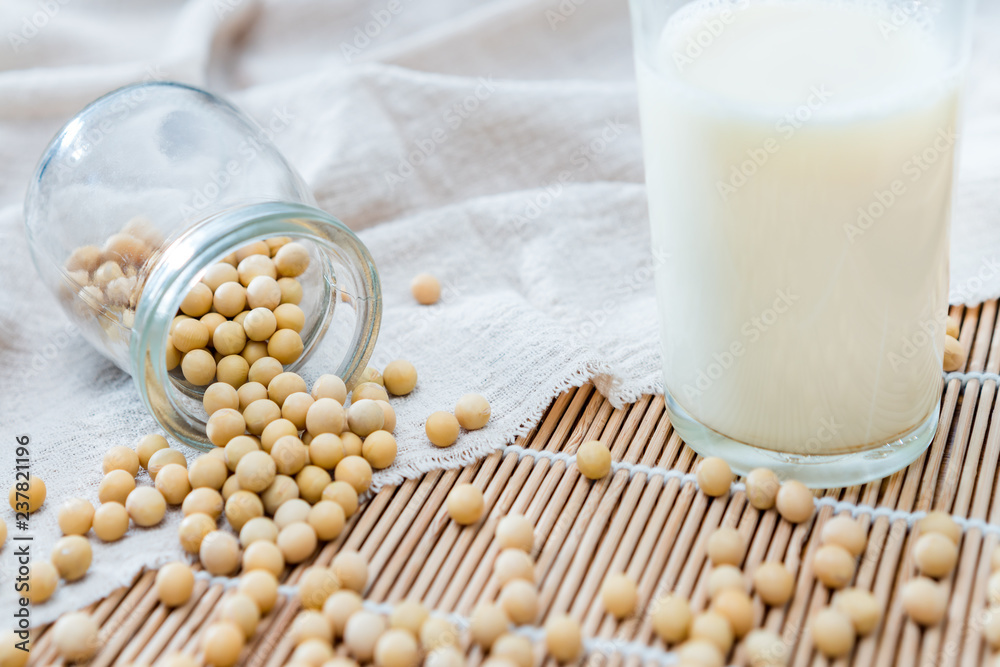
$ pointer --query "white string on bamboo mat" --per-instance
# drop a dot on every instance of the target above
(970, 375)
(855, 509)
(590, 644)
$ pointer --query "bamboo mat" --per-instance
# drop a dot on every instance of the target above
(647, 519)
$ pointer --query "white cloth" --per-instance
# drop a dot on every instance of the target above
(495, 145)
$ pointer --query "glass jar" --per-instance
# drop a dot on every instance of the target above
(147, 187)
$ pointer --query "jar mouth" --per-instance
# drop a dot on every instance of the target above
(350, 302)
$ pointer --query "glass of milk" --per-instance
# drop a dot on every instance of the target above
(799, 161)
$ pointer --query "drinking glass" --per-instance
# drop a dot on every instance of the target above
(799, 163)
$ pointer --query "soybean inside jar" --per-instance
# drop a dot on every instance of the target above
(160, 199)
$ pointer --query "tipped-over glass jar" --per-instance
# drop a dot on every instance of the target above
(147, 189)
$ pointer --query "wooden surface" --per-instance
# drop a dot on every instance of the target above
(651, 523)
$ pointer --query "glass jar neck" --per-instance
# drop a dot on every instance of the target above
(349, 277)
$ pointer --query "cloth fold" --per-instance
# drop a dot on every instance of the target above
(494, 144)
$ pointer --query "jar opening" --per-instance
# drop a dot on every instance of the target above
(341, 302)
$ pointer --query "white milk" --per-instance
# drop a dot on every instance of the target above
(799, 168)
